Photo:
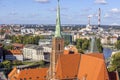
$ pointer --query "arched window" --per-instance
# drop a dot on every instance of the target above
(59, 47)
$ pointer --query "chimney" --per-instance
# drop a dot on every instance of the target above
(99, 17)
(18, 71)
(84, 77)
(89, 20)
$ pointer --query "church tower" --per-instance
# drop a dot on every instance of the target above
(57, 46)
(58, 41)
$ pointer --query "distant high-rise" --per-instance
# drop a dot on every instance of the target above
(89, 20)
(99, 17)
(93, 45)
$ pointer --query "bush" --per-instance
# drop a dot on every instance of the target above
(17, 62)
(7, 64)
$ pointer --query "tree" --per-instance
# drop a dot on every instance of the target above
(79, 43)
(99, 45)
(42, 63)
(67, 43)
(81, 51)
(7, 36)
(7, 64)
(2, 31)
(117, 44)
(27, 39)
(17, 62)
(115, 62)
(8, 47)
(108, 40)
(82, 44)
(1, 65)
(85, 44)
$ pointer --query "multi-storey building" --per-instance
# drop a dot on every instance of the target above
(33, 52)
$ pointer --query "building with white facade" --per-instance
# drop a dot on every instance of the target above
(34, 52)
(43, 42)
(27, 31)
(109, 39)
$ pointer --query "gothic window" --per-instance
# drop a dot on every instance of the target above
(59, 47)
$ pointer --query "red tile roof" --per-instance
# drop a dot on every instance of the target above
(79, 66)
(34, 74)
(97, 55)
(93, 68)
(18, 45)
(14, 52)
(12, 73)
(67, 66)
(29, 74)
(66, 51)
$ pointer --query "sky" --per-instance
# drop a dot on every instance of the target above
(72, 11)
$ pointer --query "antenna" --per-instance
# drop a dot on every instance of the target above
(89, 20)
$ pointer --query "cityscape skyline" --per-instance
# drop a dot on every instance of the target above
(72, 12)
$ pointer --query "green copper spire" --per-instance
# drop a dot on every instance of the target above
(58, 23)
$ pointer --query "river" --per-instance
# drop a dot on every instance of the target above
(107, 52)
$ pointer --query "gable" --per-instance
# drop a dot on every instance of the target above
(67, 66)
(92, 68)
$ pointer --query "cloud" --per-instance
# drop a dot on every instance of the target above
(101, 1)
(87, 9)
(115, 10)
(42, 1)
(13, 13)
(33, 15)
(114, 24)
(106, 15)
(90, 15)
(53, 9)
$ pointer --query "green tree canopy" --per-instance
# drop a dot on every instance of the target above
(7, 64)
(115, 62)
(99, 45)
(82, 44)
(8, 47)
(117, 44)
(27, 39)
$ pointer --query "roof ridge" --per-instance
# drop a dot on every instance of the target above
(79, 65)
(61, 66)
(96, 55)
